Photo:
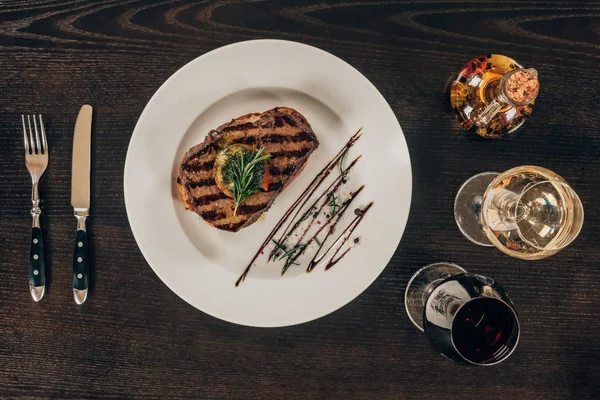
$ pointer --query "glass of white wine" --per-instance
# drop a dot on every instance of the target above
(527, 212)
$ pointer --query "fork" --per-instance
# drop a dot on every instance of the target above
(36, 159)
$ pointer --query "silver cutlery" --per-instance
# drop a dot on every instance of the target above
(36, 160)
(80, 200)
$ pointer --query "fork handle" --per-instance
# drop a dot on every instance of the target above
(37, 263)
(37, 267)
(81, 262)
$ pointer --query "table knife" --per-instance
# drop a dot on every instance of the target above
(80, 200)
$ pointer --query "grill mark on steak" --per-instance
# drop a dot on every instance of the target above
(288, 170)
(245, 209)
(245, 126)
(232, 227)
(199, 167)
(294, 153)
(289, 120)
(213, 215)
(199, 152)
(274, 138)
(204, 182)
(262, 134)
(204, 200)
(249, 140)
(301, 137)
(275, 186)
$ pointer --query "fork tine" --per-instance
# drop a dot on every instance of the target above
(25, 135)
(37, 138)
(44, 142)
(31, 142)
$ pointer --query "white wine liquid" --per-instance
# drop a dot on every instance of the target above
(531, 212)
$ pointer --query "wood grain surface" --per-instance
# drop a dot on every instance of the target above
(135, 338)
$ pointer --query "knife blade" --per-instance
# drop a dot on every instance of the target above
(80, 200)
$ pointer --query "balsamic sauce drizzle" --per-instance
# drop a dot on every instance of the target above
(331, 222)
(321, 176)
(327, 193)
(344, 236)
(299, 204)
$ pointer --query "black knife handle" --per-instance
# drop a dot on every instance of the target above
(81, 261)
(37, 265)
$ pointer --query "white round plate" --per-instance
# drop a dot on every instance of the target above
(201, 263)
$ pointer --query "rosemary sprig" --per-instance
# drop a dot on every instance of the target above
(291, 256)
(279, 245)
(333, 204)
(288, 264)
(291, 252)
(246, 173)
(342, 159)
(306, 215)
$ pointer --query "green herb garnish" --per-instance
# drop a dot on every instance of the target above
(288, 263)
(245, 172)
(279, 245)
(291, 256)
(306, 215)
(317, 240)
(342, 159)
(291, 252)
(333, 204)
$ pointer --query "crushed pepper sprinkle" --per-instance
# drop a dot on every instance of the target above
(522, 86)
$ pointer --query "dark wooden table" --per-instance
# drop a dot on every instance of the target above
(135, 338)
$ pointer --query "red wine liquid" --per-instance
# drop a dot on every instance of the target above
(482, 330)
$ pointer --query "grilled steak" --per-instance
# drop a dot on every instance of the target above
(285, 135)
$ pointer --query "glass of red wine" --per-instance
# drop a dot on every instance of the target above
(468, 318)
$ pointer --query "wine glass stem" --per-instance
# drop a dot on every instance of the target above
(434, 283)
(477, 201)
(507, 209)
(514, 211)
(521, 211)
(446, 305)
(429, 288)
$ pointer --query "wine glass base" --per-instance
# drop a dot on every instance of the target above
(421, 284)
(467, 207)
